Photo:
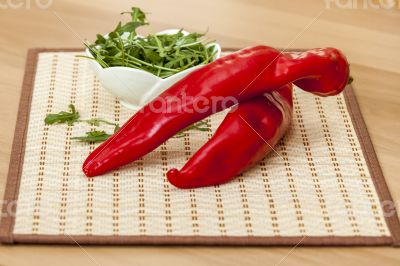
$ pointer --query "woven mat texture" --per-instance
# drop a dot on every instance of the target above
(317, 183)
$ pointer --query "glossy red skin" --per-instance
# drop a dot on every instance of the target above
(246, 135)
(321, 71)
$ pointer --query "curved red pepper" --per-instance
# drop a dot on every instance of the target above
(246, 135)
(242, 75)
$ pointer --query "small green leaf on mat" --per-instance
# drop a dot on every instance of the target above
(72, 117)
(116, 128)
(93, 136)
(203, 125)
(351, 79)
(63, 117)
(96, 122)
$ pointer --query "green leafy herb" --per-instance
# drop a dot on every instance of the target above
(63, 117)
(351, 79)
(73, 116)
(138, 19)
(93, 136)
(96, 122)
(163, 55)
(203, 125)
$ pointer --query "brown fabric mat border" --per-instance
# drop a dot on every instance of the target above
(18, 148)
(373, 164)
(15, 167)
(205, 240)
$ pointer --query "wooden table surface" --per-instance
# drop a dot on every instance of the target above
(370, 37)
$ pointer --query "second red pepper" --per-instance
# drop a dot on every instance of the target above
(246, 135)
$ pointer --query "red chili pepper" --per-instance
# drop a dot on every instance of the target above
(242, 75)
(246, 135)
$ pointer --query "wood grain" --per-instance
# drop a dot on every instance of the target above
(369, 37)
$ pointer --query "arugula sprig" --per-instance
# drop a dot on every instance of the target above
(162, 55)
(351, 79)
(73, 116)
(203, 125)
(93, 136)
(63, 117)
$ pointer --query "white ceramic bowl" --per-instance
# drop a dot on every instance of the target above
(135, 87)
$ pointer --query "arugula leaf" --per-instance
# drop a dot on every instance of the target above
(116, 128)
(351, 79)
(203, 125)
(93, 136)
(73, 117)
(138, 15)
(130, 27)
(162, 55)
(138, 19)
(96, 122)
(153, 56)
(63, 117)
(100, 39)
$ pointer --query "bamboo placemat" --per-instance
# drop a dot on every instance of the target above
(324, 188)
